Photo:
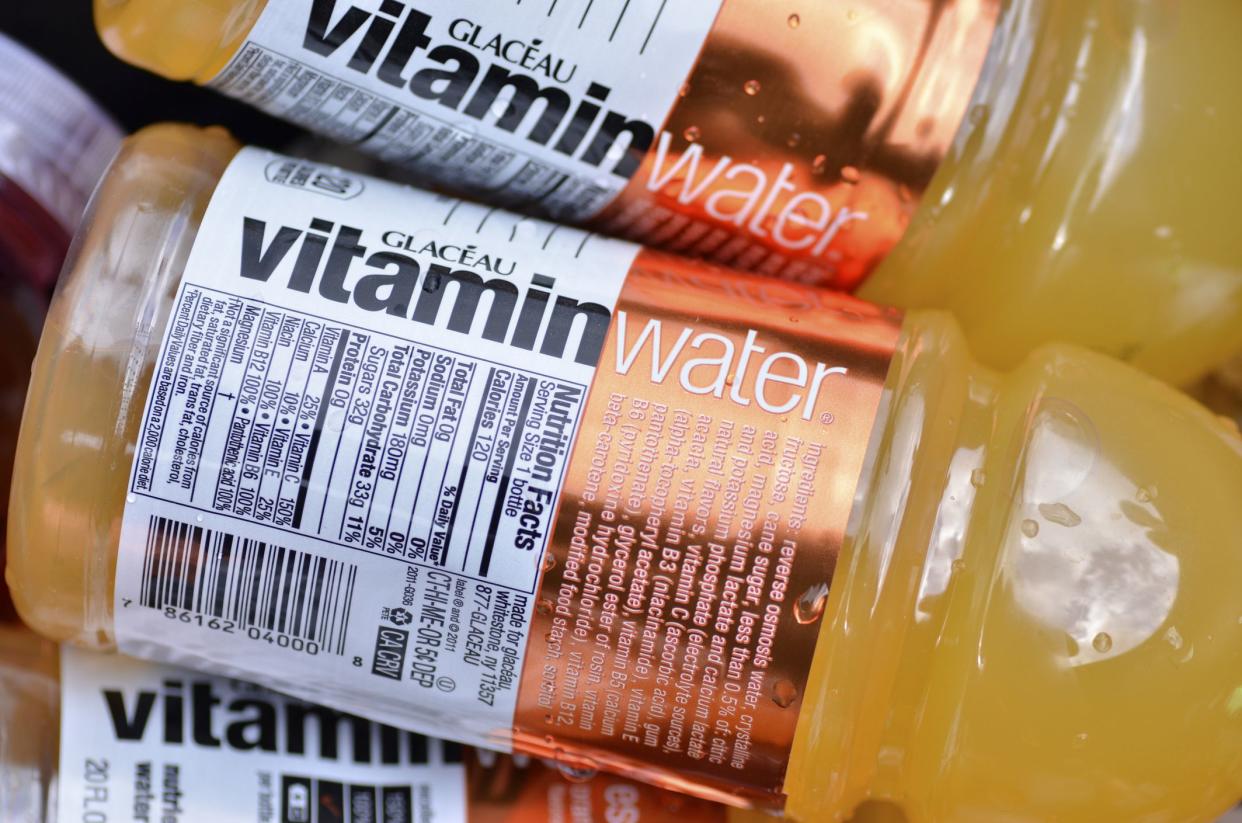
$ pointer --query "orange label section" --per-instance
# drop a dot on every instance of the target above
(805, 135)
(506, 792)
(703, 511)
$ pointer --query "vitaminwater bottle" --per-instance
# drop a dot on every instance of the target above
(162, 740)
(1086, 197)
(54, 144)
(512, 484)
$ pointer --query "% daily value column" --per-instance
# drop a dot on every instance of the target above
(361, 439)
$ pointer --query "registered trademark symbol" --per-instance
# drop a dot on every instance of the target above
(826, 418)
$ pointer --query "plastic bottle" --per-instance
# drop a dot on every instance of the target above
(739, 87)
(1032, 614)
(1221, 391)
(40, 695)
(1086, 198)
(54, 144)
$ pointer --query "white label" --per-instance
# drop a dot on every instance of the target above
(143, 742)
(354, 442)
(547, 106)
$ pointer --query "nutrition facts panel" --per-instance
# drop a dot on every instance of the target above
(353, 442)
(361, 439)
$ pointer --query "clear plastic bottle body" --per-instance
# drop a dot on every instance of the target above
(1086, 197)
(1040, 556)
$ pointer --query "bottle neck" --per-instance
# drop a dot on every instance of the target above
(926, 470)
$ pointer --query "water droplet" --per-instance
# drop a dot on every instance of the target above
(852, 15)
(761, 119)
(784, 693)
(751, 87)
(549, 560)
(576, 769)
(903, 191)
(1102, 642)
(1146, 495)
(547, 718)
(129, 498)
(809, 607)
(958, 565)
(978, 477)
(198, 518)
(1080, 740)
(544, 606)
(691, 133)
(684, 90)
(1030, 528)
(1163, 232)
(1071, 645)
(977, 114)
(793, 140)
(819, 164)
(794, 21)
(1174, 638)
(850, 174)
(1060, 514)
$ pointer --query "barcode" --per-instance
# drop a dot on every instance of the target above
(253, 583)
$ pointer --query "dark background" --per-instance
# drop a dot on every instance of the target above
(62, 32)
